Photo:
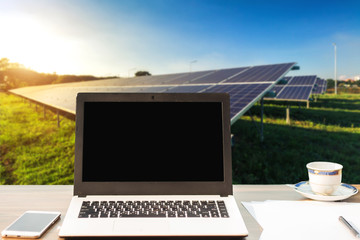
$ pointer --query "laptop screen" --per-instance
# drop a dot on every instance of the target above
(153, 141)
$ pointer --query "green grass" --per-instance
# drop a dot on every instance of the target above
(328, 131)
(33, 150)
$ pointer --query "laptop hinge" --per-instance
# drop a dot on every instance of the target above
(224, 195)
(81, 196)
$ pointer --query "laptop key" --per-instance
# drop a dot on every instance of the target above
(205, 214)
(104, 215)
(192, 214)
(171, 214)
(214, 214)
(181, 214)
(195, 203)
(113, 214)
(222, 209)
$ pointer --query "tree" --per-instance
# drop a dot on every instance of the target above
(142, 73)
(330, 83)
(4, 64)
(15, 75)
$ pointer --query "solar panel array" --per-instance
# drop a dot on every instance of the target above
(298, 88)
(246, 85)
(320, 86)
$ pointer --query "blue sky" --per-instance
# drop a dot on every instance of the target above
(164, 36)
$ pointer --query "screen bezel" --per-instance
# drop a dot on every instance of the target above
(82, 188)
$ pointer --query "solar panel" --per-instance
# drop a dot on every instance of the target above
(324, 86)
(287, 79)
(320, 86)
(277, 88)
(161, 79)
(117, 82)
(266, 73)
(188, 77)
(298, 88)
(148, 80)
(187, 89)
(219, 76)
(295, 93)
(246, 85)
(242, 96)
(302, 81)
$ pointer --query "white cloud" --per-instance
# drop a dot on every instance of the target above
(343, 77)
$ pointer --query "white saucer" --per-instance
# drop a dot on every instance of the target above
(343, 192)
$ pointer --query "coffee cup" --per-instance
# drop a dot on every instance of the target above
(324, 177)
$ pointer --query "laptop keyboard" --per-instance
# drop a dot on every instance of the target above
(163, 209)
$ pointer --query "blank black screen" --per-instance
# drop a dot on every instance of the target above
(152, 141)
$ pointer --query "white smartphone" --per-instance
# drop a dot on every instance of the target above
(32, 224)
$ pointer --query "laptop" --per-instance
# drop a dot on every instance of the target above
(153, 165)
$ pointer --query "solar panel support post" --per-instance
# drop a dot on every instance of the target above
(262, 120)
(253, 120)
(335, 68)
(307, 104)
(58, 118)
(288, 114)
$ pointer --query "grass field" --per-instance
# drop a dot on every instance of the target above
(328, 131)
(33, 150)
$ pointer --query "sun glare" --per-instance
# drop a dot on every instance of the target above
(33, 44)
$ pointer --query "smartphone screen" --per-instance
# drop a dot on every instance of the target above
(31, 224)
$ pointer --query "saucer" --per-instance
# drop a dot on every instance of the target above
(344, 191)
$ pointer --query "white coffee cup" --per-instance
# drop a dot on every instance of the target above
(324, 177)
